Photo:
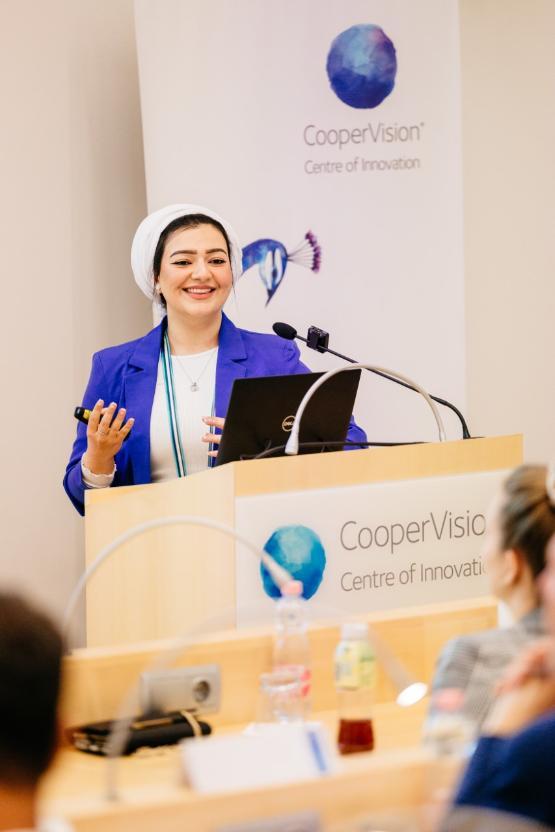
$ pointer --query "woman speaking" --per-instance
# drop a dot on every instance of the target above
(169, 391)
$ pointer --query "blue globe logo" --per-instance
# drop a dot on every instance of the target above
(361, 66)
(299, 550)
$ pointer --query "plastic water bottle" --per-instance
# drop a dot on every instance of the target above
(291, 645)
(448, 731)
(355, 682)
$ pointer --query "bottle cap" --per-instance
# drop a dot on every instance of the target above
(354, 631)
(292, 589)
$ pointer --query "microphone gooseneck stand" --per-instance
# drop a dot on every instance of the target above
(279, 575)
(124, 717)
(318, 340)
(292, 447)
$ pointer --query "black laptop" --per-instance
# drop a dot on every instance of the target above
(261, 411)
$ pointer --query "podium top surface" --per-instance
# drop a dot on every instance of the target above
(342, 468)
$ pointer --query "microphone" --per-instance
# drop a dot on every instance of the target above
(317, 339)
(286, 331)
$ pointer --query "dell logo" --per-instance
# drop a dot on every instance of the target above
(287, 424)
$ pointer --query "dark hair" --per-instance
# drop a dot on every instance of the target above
(527, 515)
(30, 664)
(188, 221)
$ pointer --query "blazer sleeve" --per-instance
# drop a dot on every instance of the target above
(97, 388)
(511, 774)
(294, 365)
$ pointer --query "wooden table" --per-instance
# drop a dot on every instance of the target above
(399, 774)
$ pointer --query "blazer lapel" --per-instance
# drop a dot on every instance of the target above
(140, 384)
(139, 387)
(231, 363)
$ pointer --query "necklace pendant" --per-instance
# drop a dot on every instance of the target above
(194, 387)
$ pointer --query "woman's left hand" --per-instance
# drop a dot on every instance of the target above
(520, 706)
(213, 438)
(535, 661)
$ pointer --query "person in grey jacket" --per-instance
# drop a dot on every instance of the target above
(520, 523)
(508, 784)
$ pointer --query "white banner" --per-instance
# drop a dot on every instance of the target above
(369, 547)
(328, 134)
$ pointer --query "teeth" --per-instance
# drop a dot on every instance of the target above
(199, 291)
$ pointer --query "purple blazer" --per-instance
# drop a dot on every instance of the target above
(126, 374)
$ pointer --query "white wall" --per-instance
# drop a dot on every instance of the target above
(508, 72)
(73, 191)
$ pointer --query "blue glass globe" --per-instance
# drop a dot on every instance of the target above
(361, 66)
(299, 550)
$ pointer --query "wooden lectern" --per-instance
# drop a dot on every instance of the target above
(170, 580)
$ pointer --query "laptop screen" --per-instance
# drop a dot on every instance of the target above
(261, 411)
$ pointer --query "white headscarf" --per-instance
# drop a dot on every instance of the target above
(146, 239)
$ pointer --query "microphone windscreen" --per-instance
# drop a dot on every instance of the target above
(285, 331)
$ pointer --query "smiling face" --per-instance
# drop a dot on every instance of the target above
(195, 273)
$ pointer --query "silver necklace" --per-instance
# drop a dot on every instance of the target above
(194, 382)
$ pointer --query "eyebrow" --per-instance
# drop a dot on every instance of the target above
(194, 251)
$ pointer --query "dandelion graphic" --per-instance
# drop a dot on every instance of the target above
(272, 258)
(299, 550)
(362, 65)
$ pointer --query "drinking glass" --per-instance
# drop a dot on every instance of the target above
(282, 696)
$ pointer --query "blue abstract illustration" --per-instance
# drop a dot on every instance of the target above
(299, 550)
(272, 258)
(361, 66)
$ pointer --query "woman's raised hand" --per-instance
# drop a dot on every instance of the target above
(526, 691)
(105, 435)
(535, 661)
(213, 438)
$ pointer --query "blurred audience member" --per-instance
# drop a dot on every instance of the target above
(520, 522)
(30, 663)
(511, 771)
